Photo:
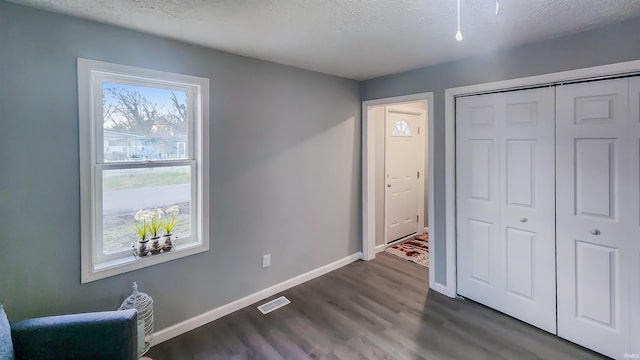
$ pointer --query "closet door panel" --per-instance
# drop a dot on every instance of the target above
(505, 206)
(520, 246)
(595, 270)
(527, 206)
(520, 167)
(477, 198)
(480, 235)
(593, 211)
(595, 174)
(480, 174)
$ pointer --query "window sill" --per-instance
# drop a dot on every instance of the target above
(129, 263)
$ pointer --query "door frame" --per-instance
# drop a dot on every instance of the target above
(369, 172)
(596, 72)
(400, 108)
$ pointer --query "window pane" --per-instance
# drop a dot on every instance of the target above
(401, 128)
(128, 190)
(144, 123)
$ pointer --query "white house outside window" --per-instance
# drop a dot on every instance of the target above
(142, 147)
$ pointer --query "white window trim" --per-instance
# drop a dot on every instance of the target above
(87, 70)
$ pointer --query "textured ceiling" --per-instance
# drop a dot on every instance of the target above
(357, 39)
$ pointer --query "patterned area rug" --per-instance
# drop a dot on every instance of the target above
(415, 250)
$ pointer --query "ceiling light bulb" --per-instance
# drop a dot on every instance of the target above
(459, 34)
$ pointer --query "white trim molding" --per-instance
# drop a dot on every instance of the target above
(596, 72)
(442, 289)
(211, 315)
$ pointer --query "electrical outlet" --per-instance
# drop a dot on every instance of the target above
(266, 261)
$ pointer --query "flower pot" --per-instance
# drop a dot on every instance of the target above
(142, 248)
(155, 246)
(167, 242)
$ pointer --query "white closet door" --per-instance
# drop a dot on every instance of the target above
(505, 204)
(478, 198)
(597, 201)
(527, 190)
(634, 124)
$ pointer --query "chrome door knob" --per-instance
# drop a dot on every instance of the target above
(523, 219)
(595, 232)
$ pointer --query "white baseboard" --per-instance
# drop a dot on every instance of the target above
(380, 248)
(211, 315)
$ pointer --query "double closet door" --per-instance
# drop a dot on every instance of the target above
(548, 187)
(505, 203)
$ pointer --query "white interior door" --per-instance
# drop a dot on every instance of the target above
(403, 161)
(505, 201)
(597, 214)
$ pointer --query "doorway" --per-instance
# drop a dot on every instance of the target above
(379, 227)
(404, 161)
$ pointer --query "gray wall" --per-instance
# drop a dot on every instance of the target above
(616, 43)
(285, 178)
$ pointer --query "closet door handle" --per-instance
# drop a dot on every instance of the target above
(595, 232)
(523, 219)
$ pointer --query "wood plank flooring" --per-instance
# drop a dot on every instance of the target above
(369, 310)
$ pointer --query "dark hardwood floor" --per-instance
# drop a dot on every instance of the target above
(369, 310)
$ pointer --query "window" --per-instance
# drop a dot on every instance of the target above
(401, 128)
(142, 147)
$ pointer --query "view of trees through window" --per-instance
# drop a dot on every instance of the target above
(143, 124)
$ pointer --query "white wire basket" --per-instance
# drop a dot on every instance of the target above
(144, 304)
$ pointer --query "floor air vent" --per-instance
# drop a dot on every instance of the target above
(273, 305)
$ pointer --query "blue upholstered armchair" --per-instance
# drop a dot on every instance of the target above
(105, 335)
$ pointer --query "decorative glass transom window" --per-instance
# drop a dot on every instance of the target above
(401, 128)
(143, 151)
